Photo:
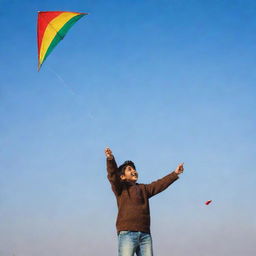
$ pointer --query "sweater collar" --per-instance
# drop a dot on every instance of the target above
(129, 183)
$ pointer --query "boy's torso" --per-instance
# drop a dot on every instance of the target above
(133, 208)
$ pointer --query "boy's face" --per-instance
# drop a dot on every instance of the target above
(130, 174)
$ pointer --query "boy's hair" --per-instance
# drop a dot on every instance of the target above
(122, 167)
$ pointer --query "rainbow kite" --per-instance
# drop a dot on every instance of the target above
(51, 28)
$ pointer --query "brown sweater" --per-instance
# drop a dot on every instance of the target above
(132, 199)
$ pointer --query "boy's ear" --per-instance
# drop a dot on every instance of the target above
(122, 177)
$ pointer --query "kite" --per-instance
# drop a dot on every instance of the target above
(208, 202)
(51, 29)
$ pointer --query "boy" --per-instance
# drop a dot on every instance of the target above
(133, 220)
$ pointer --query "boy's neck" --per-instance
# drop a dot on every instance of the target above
(130, 181)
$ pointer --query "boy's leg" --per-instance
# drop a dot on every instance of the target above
(145, 247)
(128, 241)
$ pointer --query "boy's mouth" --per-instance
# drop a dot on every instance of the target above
(134, 175)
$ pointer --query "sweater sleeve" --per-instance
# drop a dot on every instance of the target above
(113, 176)
(161, 184)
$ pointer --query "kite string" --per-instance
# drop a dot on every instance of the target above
(89, 113)
(59, 77)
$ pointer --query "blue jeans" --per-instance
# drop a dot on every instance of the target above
(130, 242)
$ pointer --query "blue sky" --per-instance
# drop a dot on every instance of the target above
(160, 82)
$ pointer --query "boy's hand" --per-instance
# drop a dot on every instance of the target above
(108, 153)
(180, 169)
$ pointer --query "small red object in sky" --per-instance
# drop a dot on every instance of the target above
(208, 202)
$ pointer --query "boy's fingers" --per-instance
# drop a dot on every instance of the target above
(107, 150)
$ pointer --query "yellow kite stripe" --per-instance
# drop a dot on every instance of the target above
(50, 32)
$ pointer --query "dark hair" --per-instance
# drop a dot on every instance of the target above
(122, 167)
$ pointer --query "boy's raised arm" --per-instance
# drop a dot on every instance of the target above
(112, 170)
(161, 184)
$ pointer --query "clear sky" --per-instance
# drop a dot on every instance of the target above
(160, 82)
